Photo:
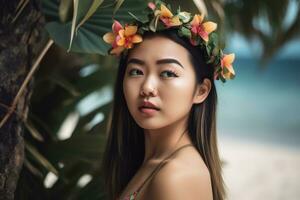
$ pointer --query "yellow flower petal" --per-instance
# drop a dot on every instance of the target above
(231, 70)
(137, 39)
(201, 18)
(121, 33)
(109, 37)
(130, 30)
(117, 50)
(197, 19)
(165, 12)
(228, 60)
(129, 45)
(229, 74)
(121, 41)
(226, 76)
(209, 27)
(175, 21)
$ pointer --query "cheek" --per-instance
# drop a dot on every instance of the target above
(178, 97)
(130, 90)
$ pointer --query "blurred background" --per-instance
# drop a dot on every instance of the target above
(258, 112)
(258, 122)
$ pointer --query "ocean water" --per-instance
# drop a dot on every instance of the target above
(261, 103)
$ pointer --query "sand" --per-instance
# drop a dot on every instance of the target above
(255, 171)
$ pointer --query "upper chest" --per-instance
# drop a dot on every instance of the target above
(138, 180)
(148, 172)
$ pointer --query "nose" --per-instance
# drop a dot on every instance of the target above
(148, 88)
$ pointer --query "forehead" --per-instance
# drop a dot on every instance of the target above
(159, 47)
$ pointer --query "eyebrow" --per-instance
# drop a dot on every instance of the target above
(161, 61)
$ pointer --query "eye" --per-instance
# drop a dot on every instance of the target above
(168, 73)
(135, 72)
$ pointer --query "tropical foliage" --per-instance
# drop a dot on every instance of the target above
(65, 132)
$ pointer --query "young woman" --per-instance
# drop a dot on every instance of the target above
(162, 142)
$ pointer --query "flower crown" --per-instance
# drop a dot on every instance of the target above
(160, 17)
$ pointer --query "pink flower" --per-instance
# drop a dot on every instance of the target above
(122, 38)
(166, 16)
(151, 5)
(202, 29)
(226, 65)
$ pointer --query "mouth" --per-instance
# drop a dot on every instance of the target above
(147, 105)
(148, 108)
(148, 111)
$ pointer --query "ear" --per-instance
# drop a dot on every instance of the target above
(202, 91)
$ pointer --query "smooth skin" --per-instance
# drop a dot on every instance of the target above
(159, 70)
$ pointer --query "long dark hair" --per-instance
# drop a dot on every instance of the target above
(124, 151)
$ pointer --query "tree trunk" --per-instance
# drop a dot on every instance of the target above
(18, 43)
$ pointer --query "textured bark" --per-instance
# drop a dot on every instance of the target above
(18, 40)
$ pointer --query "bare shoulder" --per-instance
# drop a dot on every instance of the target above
(184, 177)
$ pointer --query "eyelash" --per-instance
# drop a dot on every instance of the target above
(174, 74)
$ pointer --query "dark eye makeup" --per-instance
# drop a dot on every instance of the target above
(165, 74)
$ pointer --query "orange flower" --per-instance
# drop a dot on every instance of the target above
(111, 36)
(226, 65)
(202, 29)
(122, 38)
(166, 16)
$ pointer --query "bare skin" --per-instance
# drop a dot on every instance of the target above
(176, 180)
(172, 87)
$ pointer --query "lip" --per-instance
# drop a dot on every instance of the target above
(149, 112)
(149, 105)
(148, 109)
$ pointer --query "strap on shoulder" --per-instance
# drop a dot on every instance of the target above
(160, 165)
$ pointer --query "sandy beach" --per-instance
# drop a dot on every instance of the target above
(257, 171)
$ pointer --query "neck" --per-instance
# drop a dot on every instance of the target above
(159, 143)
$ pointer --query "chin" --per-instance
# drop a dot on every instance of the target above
(149, 124)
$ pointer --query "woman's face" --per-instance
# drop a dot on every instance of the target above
(159, 71)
